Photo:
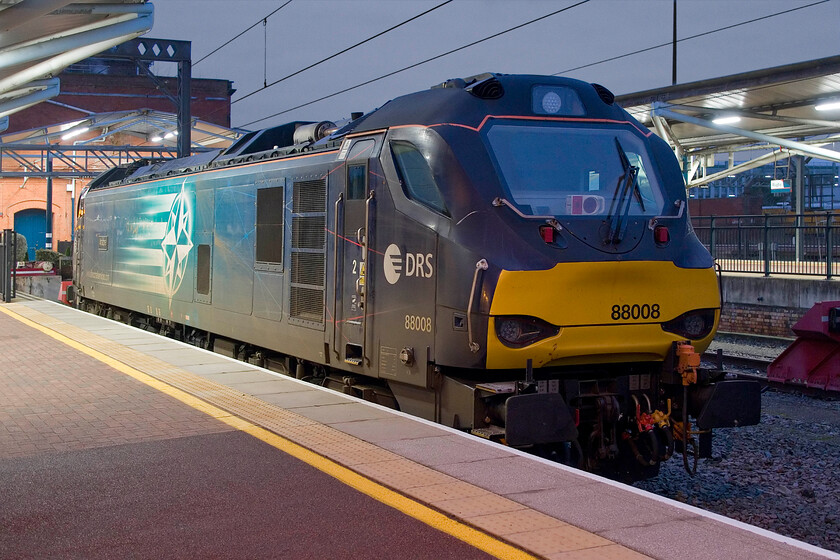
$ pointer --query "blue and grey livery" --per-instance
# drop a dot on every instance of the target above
(509, 255)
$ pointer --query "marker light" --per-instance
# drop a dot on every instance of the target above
(661, 235)
(693, 325)
(516, 331)
(547, 233)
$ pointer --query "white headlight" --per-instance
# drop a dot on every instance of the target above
(551, 103)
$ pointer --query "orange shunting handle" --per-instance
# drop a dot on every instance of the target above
(688, 360)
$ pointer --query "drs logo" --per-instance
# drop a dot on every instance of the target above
(414, 264)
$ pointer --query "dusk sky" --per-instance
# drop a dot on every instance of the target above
(306, 31)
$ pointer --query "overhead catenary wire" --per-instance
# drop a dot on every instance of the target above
(314, 64)
(416, 64)
(237, 36)
(625, 55)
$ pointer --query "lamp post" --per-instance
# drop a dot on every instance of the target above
(48, 217)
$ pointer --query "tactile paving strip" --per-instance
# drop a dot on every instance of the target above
(514, 522)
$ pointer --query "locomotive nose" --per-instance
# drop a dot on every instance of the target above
(599, 312)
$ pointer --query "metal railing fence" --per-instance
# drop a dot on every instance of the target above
(801, 244)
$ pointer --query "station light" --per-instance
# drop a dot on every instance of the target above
(727, 120)
(830, 106)
(74, 133)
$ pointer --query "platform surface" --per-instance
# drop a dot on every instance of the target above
(119, 443)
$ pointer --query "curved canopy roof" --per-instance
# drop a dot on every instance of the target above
(789, 110)
(39, 38)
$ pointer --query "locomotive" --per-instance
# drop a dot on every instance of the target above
(505, 254)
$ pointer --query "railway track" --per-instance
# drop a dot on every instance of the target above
(740, 365)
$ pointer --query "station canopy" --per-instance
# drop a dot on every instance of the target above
(768, 114)
(40, 38)
(85, 147)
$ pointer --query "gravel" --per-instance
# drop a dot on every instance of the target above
(781, 475)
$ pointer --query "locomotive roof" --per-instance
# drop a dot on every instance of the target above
(461, 101)
(465, 102)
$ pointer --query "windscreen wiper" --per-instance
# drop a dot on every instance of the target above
(628, 184)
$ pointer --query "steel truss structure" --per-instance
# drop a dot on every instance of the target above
(109, 139)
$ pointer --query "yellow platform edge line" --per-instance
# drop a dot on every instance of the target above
(412, 508)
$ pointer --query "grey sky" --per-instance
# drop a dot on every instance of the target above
(306, 31)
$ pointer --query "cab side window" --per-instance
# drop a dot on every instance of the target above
(416, 176)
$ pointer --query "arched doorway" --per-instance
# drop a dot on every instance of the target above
(32, 224)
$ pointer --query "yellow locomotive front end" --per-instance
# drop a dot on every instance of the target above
(600, 312)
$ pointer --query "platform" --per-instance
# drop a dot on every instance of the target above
(115, 442)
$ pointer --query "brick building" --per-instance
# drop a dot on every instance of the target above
(119, 106)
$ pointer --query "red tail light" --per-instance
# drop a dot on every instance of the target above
(661, 235)
(547, 233)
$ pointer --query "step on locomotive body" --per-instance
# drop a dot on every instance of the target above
(509, 255)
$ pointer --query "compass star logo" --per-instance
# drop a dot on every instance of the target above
(177, 242)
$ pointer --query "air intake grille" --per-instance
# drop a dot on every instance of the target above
(308, 232)
(308, 270)
(310, 196)
(307, 306)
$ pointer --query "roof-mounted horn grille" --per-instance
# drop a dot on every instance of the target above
(491, 88)
(606, 95)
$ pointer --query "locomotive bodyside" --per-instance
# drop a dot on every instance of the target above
(510, 256)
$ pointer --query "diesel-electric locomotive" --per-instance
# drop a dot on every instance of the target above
(509, 255)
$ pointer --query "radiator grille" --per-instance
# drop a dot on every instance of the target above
(308, 267)
(308, 232)
(307, 305)
(310, 196)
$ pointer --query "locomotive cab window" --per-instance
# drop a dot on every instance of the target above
(357, 168)
(575, 171)
(356, 181)
(416, 177)
(269, 228)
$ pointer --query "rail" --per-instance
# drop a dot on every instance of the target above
(800, 244)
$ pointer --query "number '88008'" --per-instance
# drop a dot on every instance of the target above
(635, 311)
